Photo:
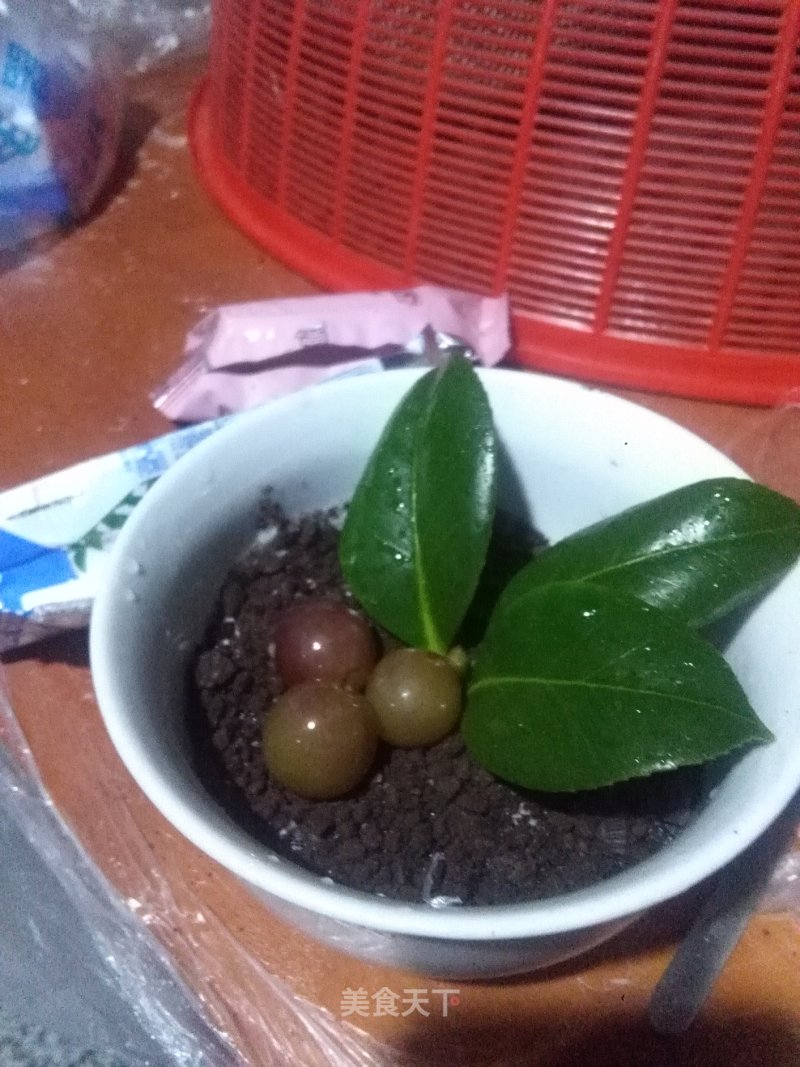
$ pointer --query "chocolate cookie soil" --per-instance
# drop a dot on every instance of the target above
(428, 825)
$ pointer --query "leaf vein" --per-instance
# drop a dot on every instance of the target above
(705, 546)
(565, 683)
(432, 638)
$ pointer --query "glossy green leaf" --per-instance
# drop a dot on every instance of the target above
(578, 686)
(698, 552)
(417, 529)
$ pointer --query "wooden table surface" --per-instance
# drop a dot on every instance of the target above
(88, 328)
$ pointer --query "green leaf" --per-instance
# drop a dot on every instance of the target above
(511, 546)
(578, 686)
(698, 552)
(417, 529)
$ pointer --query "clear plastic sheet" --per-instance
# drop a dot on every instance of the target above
(783, 893)
(266, 1024)
(126, 960)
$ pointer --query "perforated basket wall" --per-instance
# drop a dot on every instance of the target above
(628, 169)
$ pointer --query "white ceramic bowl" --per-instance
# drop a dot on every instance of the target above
(577, 455)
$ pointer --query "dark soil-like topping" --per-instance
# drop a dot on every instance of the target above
(428, 824)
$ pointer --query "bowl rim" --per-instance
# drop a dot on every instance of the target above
(609, 900)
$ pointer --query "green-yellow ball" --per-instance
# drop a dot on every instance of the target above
(416, 697)
(319, 740)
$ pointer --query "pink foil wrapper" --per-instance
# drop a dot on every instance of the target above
(245, 354)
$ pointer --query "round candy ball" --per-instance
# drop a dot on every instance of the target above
(416, 696)
(319, 740)
(324, 640)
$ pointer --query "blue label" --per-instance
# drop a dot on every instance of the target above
(15, 550)
(26, 566)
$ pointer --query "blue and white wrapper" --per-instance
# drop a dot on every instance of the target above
(56, 533)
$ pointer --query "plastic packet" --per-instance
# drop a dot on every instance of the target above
(149, 32)
(56, 533)
(242, 355)
(61, 106)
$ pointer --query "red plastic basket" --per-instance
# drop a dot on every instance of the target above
(628, 169)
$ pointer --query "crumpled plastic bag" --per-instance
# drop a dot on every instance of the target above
(81, 966)
(149, 32)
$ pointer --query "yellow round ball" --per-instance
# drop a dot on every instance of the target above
(319, 740)
(416, 697)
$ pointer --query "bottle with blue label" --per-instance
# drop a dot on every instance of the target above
(61, 108)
